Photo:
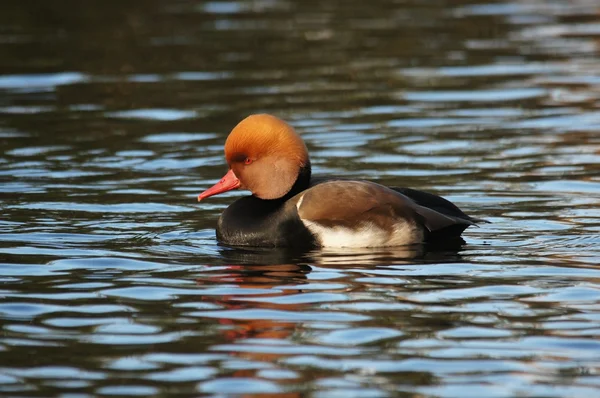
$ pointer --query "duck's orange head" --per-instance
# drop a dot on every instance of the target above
(265, 156)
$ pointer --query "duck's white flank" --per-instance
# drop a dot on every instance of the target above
(367, 235)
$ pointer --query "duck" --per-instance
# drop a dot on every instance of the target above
(290, 208)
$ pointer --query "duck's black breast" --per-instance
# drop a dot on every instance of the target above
(251, 221)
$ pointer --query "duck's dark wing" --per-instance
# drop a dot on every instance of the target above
(421, 198)
(354, 203)
(436, 203)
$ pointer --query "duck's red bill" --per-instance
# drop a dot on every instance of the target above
(227, 183)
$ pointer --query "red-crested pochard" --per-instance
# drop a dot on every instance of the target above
(288, 208)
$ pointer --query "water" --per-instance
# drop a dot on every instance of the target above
(113, 117)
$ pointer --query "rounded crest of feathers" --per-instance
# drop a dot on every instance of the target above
(263, 135)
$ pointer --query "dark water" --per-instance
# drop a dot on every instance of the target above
(113, 117)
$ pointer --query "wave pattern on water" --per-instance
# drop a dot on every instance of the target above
(113, 118)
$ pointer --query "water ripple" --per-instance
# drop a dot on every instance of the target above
(114, 117)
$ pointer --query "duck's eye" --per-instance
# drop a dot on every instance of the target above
(247, 161)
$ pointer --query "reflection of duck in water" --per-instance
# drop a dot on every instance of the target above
(255, 323)
(265, 257)
(268, 311)
(263, 305)
(288, 208)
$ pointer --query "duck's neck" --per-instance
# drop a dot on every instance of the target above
(302, 183)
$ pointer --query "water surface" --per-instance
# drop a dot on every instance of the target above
(112, 120)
